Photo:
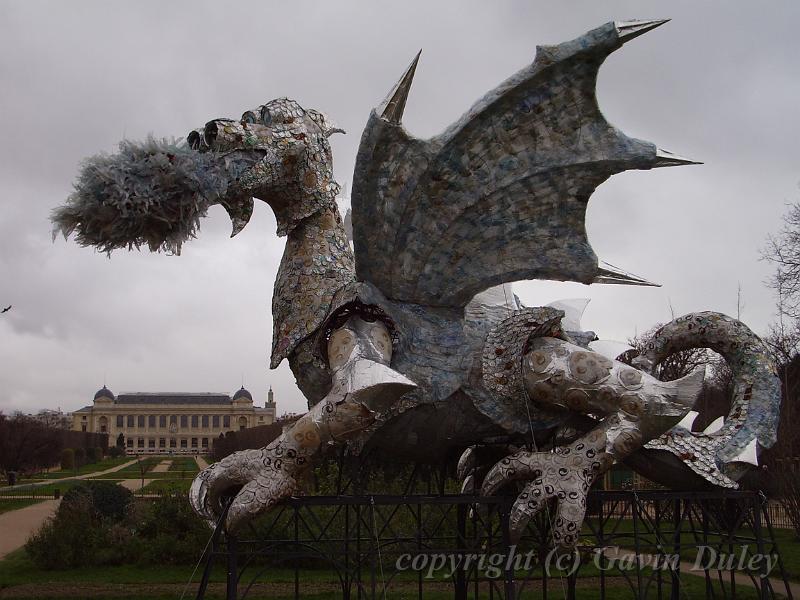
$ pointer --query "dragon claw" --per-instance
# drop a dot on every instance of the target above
(251, 481)
(562, 477)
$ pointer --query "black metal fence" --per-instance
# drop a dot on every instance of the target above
(638, 544)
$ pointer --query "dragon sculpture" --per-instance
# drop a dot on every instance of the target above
(411, 345)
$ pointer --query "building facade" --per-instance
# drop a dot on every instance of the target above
(163, 422)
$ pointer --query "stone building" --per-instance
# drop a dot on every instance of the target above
(155, 422)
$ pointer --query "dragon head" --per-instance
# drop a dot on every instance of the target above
(154, 192)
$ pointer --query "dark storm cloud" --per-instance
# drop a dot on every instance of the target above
(718, 84)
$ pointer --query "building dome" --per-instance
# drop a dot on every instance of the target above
(243, 393)
(104, 392)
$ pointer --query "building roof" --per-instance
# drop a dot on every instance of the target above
(103, 392)
(173, 398)
(242, 393)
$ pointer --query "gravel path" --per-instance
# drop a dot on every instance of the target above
(162, 467)
(16, 526)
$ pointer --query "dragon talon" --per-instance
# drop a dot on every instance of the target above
(466, 463)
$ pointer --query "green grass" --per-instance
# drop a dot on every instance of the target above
(9, 505)
(41, 491)
(17, 569)
(177, 486)
(184, 463)
(135, 470)
(787, 543)
(108, 463)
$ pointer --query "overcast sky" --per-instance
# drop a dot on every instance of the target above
(720, 83)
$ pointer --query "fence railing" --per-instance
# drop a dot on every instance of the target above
(374, 547)
(777, 513)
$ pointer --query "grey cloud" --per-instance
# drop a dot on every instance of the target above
(719, 83)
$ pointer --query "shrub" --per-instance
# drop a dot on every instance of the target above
(171, 532)
(67, 459)
(116, 452)
(91, 456)
(99, 452)
(90, 527)
(80, 457)
(67, 540)
(108, 499)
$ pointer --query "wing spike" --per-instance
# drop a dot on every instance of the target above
(615, 275)
(665, 158)
(392, 108)
(628, 30)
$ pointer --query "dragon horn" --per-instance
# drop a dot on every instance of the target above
(627, 30)
(392, 108)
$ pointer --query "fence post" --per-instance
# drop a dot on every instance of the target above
(233, 568)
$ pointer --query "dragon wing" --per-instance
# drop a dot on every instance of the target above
(501, 195)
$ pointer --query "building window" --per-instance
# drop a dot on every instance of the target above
(195, 421)
(226, 421)
(83, 426)
(173, 443)
(215, 421)
(151, 421)
(183, 443)
(120, 421)
(242, 423)
(140, 421)
(205, 421)
(103, 425)
(184, 421)
(162, 443)
(151, 443)
(130, 421)
(205, 442)
(162, 421)
(129, 442)
(140, 443)
(173, 420)
(194, 442)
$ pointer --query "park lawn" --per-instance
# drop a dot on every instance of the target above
(108, 463)
(786, 540)
(184, 463)
(46, 490)
(188, 475)
(168, 581)
(171, 486)
(135, 470)
(41, 491)
(15, 504)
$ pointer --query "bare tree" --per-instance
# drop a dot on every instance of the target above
(673, 367)
(715, 398)
(783, 251)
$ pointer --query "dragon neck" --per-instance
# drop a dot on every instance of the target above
(316, 263)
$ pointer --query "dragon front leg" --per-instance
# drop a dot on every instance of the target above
(359, 353)
(633, 408)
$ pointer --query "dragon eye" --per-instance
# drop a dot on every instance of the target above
(266, 116)
(249, 117)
